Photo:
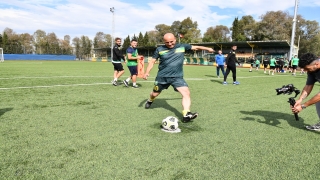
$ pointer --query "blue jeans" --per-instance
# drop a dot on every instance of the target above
(222, 69)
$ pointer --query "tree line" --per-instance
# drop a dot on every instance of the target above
(273, 25)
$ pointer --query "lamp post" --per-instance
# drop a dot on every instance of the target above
(112, 11)
(293, 28)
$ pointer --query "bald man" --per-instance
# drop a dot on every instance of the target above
(170, 72)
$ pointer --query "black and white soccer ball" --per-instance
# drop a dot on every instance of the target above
(170, 123)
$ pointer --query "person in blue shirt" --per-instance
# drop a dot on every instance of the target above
(220, 63)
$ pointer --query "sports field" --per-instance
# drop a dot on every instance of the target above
(65, 120)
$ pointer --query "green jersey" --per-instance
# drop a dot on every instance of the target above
(273, 62)
(295, 61)
(134, 53)
(257, 61)
(171, 60)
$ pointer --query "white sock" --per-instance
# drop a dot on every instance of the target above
(134, 84)
(128, 79)
(115, 79)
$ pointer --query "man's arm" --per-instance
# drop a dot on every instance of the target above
(195, 48)
(130, 57)
(305, 92)
(149, 68)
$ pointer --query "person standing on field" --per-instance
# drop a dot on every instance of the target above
(170, 72)
(116, 61)
(294, 64)
(220, 63)
(231, 66)
(132, 58)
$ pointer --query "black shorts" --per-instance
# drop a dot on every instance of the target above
(133, 70)
(117, 67)
(251, 65)
(265, 65)
(162, 83)
(257, 65)
(272, 67)
(294, 67)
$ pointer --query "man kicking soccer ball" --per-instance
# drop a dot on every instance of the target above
(171, 72)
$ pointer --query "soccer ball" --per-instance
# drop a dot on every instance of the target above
(170, 123)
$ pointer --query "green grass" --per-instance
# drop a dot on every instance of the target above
(64, 120)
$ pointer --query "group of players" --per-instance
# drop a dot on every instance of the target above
(170, 73)
(277, 65)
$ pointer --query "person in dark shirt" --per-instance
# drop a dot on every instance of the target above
(311, 64)
(116, 61)
(231, 66)
(252, 62)
(265, 64)
(170, 72)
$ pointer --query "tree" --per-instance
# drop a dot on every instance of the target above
(309, 37)
(108, 39)
(161, 29)
(217, 34)
(39, 41)
(76, 44)
(126, 42)
(176, 27)
(246, 27)
(26, 42)
(236, 31)
(141, 40)
(274, 25)
(100, 40)
(190, 31)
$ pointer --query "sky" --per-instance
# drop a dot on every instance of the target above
(87, 17)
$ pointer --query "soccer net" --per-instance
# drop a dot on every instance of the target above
(1, 55)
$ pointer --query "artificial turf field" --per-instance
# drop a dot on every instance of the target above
(65, 120)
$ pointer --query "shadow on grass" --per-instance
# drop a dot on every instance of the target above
(163, 103)
(274, 118)
(2, 111)
(210, 76)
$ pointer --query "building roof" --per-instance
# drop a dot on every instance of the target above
(247, 44)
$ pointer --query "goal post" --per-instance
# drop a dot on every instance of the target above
(1, 55)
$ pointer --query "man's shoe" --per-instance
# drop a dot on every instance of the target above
(189, 116)
(115, 83)
(125, 83)
(225, 83)
(148, 104)
(236, 83)
(135, 86)
(315, 127)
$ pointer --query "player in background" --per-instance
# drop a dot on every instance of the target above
(231, 66)
(116, 61)
(252, 61)
(294, 64)
(272, 65)
(265, 64)
(220, 63)
(170, 72)
(132, 63)
(257, 64)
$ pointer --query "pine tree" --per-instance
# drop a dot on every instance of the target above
(140, 40)
(235, 29)
(146, 40)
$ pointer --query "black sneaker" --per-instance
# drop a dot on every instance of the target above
(148, 104)
(315, 127)
(189, 116)
(135, 86)
(125, 83)
(115, 83)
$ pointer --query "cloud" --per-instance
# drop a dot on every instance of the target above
(87, 17)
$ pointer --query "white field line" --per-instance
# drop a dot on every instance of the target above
(95, 84)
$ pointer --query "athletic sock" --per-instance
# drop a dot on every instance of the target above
(184, 112)
(151, 99)
(134, 84)
(128, 79)
(115, 79)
